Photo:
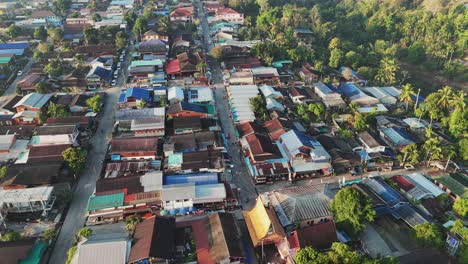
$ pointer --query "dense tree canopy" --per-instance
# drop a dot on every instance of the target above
(75, 158)
(352, 208)
(428, 235)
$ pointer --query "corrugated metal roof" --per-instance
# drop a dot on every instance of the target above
(178, 192)
(36, 100)
(421, 181)
(105, 201)
(113, 250)
(210, 193)
(195, 178)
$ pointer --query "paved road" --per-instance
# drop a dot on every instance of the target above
(11, 90)
(241, 177)
(76, 216)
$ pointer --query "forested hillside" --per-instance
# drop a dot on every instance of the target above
(386, 42)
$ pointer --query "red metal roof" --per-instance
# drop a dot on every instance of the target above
(173, 67)
(402, 183)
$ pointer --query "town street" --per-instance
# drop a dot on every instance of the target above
(11, 90)
(76, 216)
(241, 177)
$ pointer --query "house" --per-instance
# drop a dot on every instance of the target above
(303, 34)
(302, 95)
(142, 122)
(386, 95)
(344, 159)
(239, 98)
(175, 94)
(83, 122)
(353, 94)
(397, 137)
(308, 74)
(301, 206)
(96, 50)
(21, 131)
(131, 97)
(98, 76)
(138, 148)
(149, 245)
(260, 148)
(370, 144)
(319, 236)
(187, 124)
(7, 60)
(47, 16)
(200, 95)
(6, 141)
(265, 74)
(275, 129)
(230, 15)
(224, 238)
(188, 109)
(103, 249)
(28, 200)
(34, 102)
(305, 154)
(182, 15)
(16, 48)
(26, 118)
(185, 65)
(153, 47)
(206, 161)
(150, 34)
(155, 62)
(193, 142)
(263, 225)
(241, 78)
(455, 184)
(51, 130)
(329, 98)
(78, 104)
(46, 153)
(128, 4)
(212, 6)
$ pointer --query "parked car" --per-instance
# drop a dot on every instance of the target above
(19, 73)
(114, 82)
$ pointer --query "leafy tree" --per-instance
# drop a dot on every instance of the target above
(359, 122)
(163, 25)
(416, 53)
(406, 95)
(345, 133)
(41, 88)
(94, 103)
(411, 154)
(54, 68)
(445, 97)
(309, 255)
(131, 222)
(428, 235)
(44, 47)
(148, 12)
(13, 31)
(458, 122)
(201, 67)
(130, 17)
(459, 228)
(140, 26)
(336, 56)
(91, 35)
(85, 232)
(3, 171)
(317, 109)
(55, 110)
(120, 40)
(217, 52)
(433, 149)
(61, 6)
(387, 72)
(258, 106)
(353, 208)
(458, 100)
(74, 15)
(463, 148)
(460, 206)
(55, 35)
(75, 158)
(70, 253)
(37, 55)
(40, 33)
(10, 236)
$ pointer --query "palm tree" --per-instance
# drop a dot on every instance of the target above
(201, 67)
(387, 71)
(406, 95)
(433, 149)
(131, 222)
(445, 97)
(449, 152)
(163, 25)
(411, 153)
(458, 100)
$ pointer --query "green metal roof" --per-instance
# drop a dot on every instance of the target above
(279, 64)
(35, 255)
(5, 60)
(210, 108)
(174, 159)
(141, 63)
(453, 185)
(105, 201)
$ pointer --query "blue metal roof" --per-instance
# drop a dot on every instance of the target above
(16, 45)
(193, 107)
(17, 52)
(384, 191)
(196, 178)
(349, 90)
(305, 139)
(138, 93)
(102, 73)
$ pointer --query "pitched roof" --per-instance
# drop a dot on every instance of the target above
(319, 236)
(55, 130)
(184, 106)
(262, 148)
(42, 14)
(14, 45)
(46, 153)
(81, 120)
(35, 100)
(23, 131)
(104, 250)
(154, 238)
(247, 128)
(137, 93)
(224, 236)
(32, 174)
(193, 122)
(105, 201)
(132, 144)
(131, 184)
